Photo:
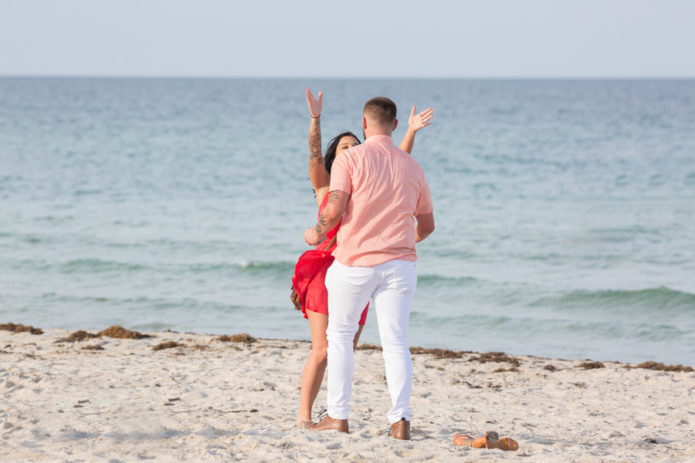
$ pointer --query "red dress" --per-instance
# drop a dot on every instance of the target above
(310, 273)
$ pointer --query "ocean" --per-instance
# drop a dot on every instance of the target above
(565, 209)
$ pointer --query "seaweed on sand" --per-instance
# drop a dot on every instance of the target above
(368, 346)
(241, 337)
(119, 332)
(496, 357)
(589, 365)
(437, 353)
(77, 336)
(19, 328)
(661, 367)
(166, 345)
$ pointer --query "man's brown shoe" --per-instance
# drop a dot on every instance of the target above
(401, 430)
(329, 423)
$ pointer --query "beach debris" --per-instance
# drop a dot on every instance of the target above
(589, 365)
(507, 370)
(19, 328)
(93, 347)
(550, 367)
(652, 440)
(661, 367)
(470, 386)
(117, 331)
(112, 332)
(437, 353)
(77, 336)
(80, 403)
(166, 345)
(241, 337)
(496, 357)
(368, 346)
(490, 440)
(415, 350)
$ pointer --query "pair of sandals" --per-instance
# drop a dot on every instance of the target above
(491, 440)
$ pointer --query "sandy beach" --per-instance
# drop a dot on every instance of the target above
(194, 397)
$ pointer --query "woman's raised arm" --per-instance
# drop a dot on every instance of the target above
(415, 123)
(317, 170)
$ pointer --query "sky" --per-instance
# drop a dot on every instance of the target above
(351, 38)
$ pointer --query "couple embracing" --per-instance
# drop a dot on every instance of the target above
(376, 195)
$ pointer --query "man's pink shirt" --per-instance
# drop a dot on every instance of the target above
(387, 189)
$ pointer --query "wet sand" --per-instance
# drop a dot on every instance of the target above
(192, 397)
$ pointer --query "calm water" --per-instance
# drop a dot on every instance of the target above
(565, 210)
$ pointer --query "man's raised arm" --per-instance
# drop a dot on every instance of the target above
(415, 123)
(329, 218)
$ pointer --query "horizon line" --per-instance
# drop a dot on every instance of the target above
(298, 77)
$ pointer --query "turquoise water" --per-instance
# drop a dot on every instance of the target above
(565, 210)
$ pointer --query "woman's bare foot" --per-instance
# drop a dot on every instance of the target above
(304, 424)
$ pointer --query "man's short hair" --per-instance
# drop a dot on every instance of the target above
(381, 110)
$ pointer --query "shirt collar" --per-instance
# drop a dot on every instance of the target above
(379, 139)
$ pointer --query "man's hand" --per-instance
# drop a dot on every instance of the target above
(424, 227)
(312, 237)
(418, 121)
(315, 106)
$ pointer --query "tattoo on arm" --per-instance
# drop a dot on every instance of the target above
(322, 225)
(315, 156)
(326, 221)
(334, 197)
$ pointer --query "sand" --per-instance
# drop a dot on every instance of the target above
(197, 398)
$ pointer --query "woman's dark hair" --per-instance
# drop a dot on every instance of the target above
(333, 146)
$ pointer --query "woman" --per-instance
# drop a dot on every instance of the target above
(310, 272)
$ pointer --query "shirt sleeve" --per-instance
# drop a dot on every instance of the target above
(340, 175)
(424, 201)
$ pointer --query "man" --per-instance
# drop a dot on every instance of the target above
(379, 191)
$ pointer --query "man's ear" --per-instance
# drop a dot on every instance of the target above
(395, 124)
(364, 123)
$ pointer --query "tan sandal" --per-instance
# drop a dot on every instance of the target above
(464, 440)
(506, 443)
(490, 440)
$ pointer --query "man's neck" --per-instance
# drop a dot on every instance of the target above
(374, 134)
(379, 138)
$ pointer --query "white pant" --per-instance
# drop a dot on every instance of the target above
(392, 286)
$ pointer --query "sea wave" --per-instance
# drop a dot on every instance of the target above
(99, 266)
(92, 265)
(247, 267)
(433, 280)
(651, 298)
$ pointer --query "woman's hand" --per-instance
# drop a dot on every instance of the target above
(315, 106)
(417, 121)
(312, 237)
